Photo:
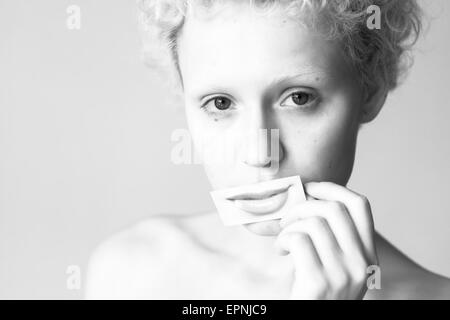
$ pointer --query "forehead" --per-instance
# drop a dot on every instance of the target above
(237, 44)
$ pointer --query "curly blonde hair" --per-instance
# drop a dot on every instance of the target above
(380, 56)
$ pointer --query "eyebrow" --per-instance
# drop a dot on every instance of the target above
(319, 74)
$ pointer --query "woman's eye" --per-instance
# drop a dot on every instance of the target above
(222, 103)
(217, 105)
(299, 98)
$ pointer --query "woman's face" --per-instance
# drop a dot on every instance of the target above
(242, 73)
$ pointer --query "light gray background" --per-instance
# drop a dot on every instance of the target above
(85, 144)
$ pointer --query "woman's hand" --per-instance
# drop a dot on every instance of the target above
(331, 240)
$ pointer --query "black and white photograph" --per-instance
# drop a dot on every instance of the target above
(224, 150)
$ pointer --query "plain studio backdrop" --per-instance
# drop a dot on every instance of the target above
(85, 142)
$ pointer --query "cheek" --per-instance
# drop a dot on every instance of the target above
(324, 147)
(217, 147)
(217, 150)
(335, 147)
(218, 153)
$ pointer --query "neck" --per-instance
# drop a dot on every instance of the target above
(261, 248)
(390, 258)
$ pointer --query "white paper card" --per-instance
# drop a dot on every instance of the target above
(257, 202)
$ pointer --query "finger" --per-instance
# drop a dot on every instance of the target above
(337, 217)
(330, 254)
(322, 237)
(357, 205)
(309, 282)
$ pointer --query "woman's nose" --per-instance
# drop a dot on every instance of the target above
(261, 144)
(257, 148)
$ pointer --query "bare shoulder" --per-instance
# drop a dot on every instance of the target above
(134, 262)
(411, 285)
(432, 286)
(404, 279)
(422, 284)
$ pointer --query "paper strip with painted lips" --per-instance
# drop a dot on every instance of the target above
(262, 201)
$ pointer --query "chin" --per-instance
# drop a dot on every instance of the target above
(264, 228)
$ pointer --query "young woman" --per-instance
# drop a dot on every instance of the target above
(314, 70)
